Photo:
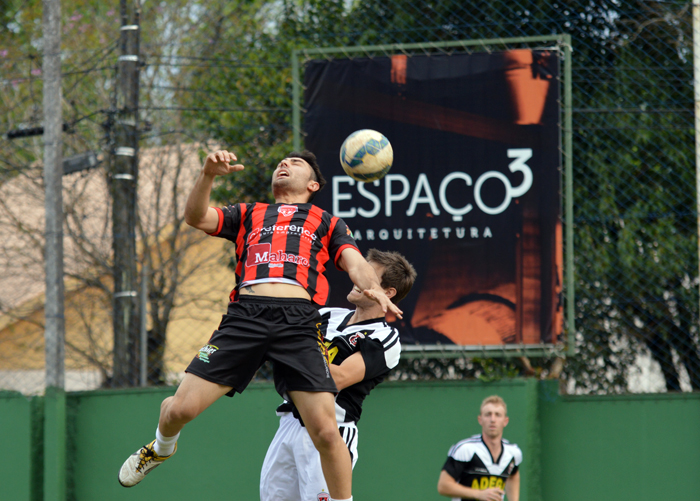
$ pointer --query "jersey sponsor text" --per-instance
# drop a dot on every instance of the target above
(484, 483)
(289, 229)
(261, 253)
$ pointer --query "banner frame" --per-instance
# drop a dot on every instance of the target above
(562, 43)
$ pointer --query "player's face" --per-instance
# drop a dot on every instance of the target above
(356, 296)
(293, 175)
(492, 420)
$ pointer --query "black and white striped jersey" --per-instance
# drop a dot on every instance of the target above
(470, 463)
(380, 348)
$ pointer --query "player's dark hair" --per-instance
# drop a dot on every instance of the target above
(398, 272)
(310, 159)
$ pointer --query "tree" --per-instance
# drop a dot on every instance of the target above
(166, 244)
(636, 234)
(637, 229)
(218, 73)
(239, 93)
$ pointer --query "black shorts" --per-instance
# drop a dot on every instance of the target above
(285, 331)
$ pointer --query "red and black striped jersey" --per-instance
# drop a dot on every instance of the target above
(292, 241)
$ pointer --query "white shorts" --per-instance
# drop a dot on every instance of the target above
(292, 467)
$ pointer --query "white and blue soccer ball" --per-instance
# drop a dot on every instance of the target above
(366, 155)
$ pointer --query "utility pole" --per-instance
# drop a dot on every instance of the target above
(123, 178)
(53, 173)
(54, 335)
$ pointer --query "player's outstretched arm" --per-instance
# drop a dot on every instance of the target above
(363, 275)
(513, 487)
(198, 214)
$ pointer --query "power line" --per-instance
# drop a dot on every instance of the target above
(632, 110)
(105, 52)
(204, 91)
(184, 65)
(237, 62)
(16, 80)
(86, 72)
(64, 52)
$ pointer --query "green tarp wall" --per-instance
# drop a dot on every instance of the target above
(643, 447)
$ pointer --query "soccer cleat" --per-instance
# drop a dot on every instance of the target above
(140, 464)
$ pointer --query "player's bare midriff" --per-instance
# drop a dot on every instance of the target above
(275, 290)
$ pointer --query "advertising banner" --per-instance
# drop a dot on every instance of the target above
(473, 198)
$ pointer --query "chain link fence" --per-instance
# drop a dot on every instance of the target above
(219, 74)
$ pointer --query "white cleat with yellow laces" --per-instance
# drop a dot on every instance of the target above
(140, 464)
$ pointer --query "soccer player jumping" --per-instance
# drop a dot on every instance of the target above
(282, 251)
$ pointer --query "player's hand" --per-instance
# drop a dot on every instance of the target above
(219, 163)
(386, 304)
(493, 494)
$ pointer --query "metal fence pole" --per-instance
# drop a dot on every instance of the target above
(143, 372)
(696, 89)
(570, 313)
(296, 102)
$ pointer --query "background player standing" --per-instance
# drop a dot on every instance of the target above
(484, 466)
(362, 349)
(282, 251)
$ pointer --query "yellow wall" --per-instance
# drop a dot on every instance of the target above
(201, 300)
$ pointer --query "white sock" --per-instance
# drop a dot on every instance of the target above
(164, 446)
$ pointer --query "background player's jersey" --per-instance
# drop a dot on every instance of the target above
(380, 348)
(291, 241)
(470, 463)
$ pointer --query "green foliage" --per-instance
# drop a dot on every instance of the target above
(88, 63)
(636, 229)
(483, 369)
(7, 10)
(218, 74)
(635, 235)
(245, 84)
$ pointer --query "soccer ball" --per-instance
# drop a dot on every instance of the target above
(366, 155)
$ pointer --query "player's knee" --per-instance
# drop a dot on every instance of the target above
(178, 410)
(325, 437)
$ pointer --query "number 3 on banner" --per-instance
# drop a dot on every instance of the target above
(521, 156)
